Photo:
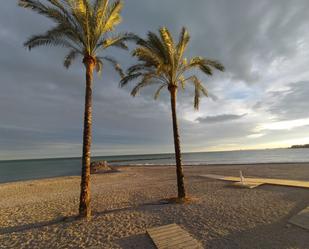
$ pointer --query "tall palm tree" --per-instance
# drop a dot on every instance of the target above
(86, 28)
(162, 63)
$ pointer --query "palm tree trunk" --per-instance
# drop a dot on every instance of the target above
(84, 204)
(179, 170)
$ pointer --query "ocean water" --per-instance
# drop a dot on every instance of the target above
(17, 170)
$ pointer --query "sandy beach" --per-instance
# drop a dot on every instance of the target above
(39, 213)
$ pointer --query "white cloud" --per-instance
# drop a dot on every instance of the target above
(283, 125)
(256, 135)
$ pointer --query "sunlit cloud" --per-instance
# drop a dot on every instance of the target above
(283, 125)
(283, 143)
(257, 135)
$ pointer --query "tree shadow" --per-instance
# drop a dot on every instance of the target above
(69, 219)
(276, 235)
(37, 225)
(153, 205)
(272, 235)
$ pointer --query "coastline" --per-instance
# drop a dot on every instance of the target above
(125, 204)
(286, 164)
(20, 170)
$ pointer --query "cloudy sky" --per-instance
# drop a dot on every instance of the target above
(261, 101)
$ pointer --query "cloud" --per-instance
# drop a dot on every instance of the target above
(290, 103)
(283, 125)
(220, 118)
(256, 135)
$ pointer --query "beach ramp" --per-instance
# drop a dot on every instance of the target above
(260, 181)
(237, 181)
(301, 219)
(172, 237)
(246, 184)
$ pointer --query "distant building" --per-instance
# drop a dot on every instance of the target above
(300, 146)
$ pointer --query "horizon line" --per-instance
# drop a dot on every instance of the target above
(146, 154)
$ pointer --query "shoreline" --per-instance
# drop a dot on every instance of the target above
(212, 164)
(160, 166)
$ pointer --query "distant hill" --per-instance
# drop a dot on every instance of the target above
(300, 146)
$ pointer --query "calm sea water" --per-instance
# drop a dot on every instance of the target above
(17, 170)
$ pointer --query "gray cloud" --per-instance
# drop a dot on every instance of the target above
(288, 104)
(220, 118)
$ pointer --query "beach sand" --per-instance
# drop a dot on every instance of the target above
(125, 204)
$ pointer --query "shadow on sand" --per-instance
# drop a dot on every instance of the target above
(74, 218)
(136, 241)
(275, 235)
(37, 225)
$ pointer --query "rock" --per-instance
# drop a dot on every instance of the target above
(100, 166)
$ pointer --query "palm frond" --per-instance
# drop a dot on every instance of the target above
(99, 66)
(196, 96)
(100, 8)
(155, 44)
(183, 42)
(205, 65)
(57, 12)
(205, 69)
(182, 82)
(157, 93)
(198, 88)
(46, 40)
(117, 40)
(114, 63)
(130, 77)
(34, 5)
(146, 55)
(146, 81)
(70, 58)
(113, 16)
(214, 64)
(168, 43)
(137, 68)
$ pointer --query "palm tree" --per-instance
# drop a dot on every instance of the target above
(162, 63)
(85, 28)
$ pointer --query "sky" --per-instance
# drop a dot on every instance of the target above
(260, 101)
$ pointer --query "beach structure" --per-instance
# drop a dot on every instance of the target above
(301, 219)
(172, 236)
(245, 184)
(242, 179)
(100, 166)
(259, 181)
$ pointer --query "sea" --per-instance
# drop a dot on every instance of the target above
(20, 170)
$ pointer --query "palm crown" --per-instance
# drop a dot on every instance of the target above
(82, 27)
(162, 61)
